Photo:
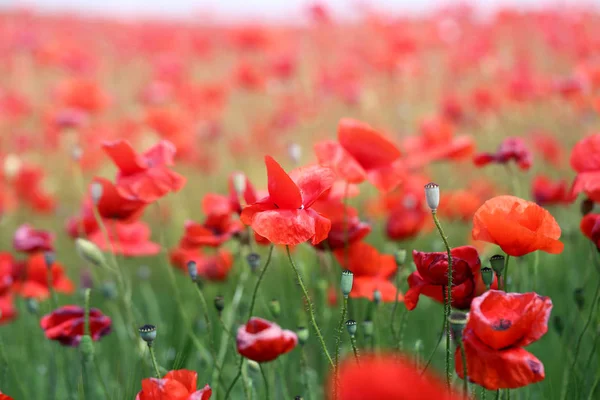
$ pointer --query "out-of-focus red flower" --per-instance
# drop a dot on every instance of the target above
(500, 325)
(518, 226)
(82, 94)
(431, 277)
(549, 147)
(130, 240)
(66, 324)
(37, 276)
(332, 296)
(262, 341)
(83, 224)
(7, 270)
(459, 204)
(113, 204)
(548, 192)
(174, 125)
(590, 227)
(250, 195)
(214, 267)
(345, 224)
(175, 385)
(319, 13)
(5, 396)
(585, 160)
(8, 311)
(29, 240)
(372, 271)
(249, 77)
(407, 217)
(512, 148)
(285, 216)
(146, 177)
(379, 376)
(28, 186)
(361, 153)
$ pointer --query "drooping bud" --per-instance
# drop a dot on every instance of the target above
(96, 191)
(377, 297)
(419, 346)
(400, 257)
(253, 260)
(497, 263)
(487, 275)
(458, 320)
(148, 333)
(253, 366)
(219, 304)
(295, 152)
(192, 268)
(239, 183)
(351, 327)
(368, 328)
(579, 298)
(432, 195)
(586, 206)
(89, 252)
(49, 258)
(275, 308)
(302, 333)
(32, 305)
(346, 282)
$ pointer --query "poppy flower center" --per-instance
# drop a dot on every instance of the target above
(502, 324)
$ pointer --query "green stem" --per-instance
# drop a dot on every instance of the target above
(304, 369)
(463, 355)
(505, 274)
(392, 326)
(401, 332)
(442, 332)
(338, 341)
(497, 394)
(154, 363)
(260, 278)
(310, 308)
(483, 393)
(354, 349)
(86, 326)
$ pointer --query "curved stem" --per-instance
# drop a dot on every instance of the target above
(260, 278)
(154, 363)
(237, 376)
(311, 311)
(265, 381)
(354, 349)
(442, 332)
(338, 341)
(304, 369)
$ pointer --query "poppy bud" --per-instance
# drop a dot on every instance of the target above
(368, 328)
(86, 347)
(497, 263)
(192, 268)
(12, 165)
(400, 257)
(351, 327)
(109, 290)
(458, 320)
(346, 282)
(275, 308)
(302, 333)
(89, 252)
(295, 152)
(96, 192)
(419, 346)
(32, 305)
(487, 275)
(377, 297)
(579, 298)
(148, 333)
(49, 258)
(586, 206)
(253, 260)
(253, 366)
(239, 183)
(219, 304)
(559, 325)
(432, 195)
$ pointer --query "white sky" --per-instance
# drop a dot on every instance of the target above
(252, 9)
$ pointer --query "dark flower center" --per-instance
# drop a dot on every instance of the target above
(502, 325)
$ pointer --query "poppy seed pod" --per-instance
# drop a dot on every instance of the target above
(346, 282)
(579, 298)
(586, 207)
(89, 252)
(239, 183)
(49, 258)
(368, 328)
(86, 347)
(351, 327)
(148, 333)
(487, 275)
(497, 263)
(458, 320)
(432, 195)
(253, 260)
(376, 297)
(219, 304)
(400, 257)
(302, 333)
(96, 191)
(192, 268)
(275, 308)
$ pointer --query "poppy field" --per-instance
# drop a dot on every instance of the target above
(392, 207)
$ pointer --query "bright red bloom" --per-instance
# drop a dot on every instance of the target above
(146, 177)
(386, 376)
(29, 240)
(407, 217)
(5, 396)
(345, 224)
(518, 226)
(250, 196)
(66, 324)
(175, 385)
(28, 185)
(261, 340)
(8, 311)
(35, 278)
(213, 267)
(500, 325)
(130, 240)
(547, 192)
(431, 277)
(585, 160)
(83, 224)
(512, 148)
(361, 153)
(590, 227)
(113, 204)
(285, 216)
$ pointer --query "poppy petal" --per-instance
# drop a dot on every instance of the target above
(283, 192)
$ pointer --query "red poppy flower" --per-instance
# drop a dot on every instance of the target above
(82, 94)
(113, 204)
(66, 324)
(459, 204)
(8, 311)
(250, 196)
(549, 147)
(407, 217)
(6, 272)
(345, 224)
(35, 280)
(518, 226)
(28, 185)
(5, 396)
(30, 240)
(590, 227)
(144, 177)
(261, 340)
(175, 385)
(361, 153)
(586, 162)
(130, 240)
(547, 192)
(512, 148)
(83, 224)
(285, 216)
(213, 267)
(431, 277)
(500, 325)
(386, 376)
